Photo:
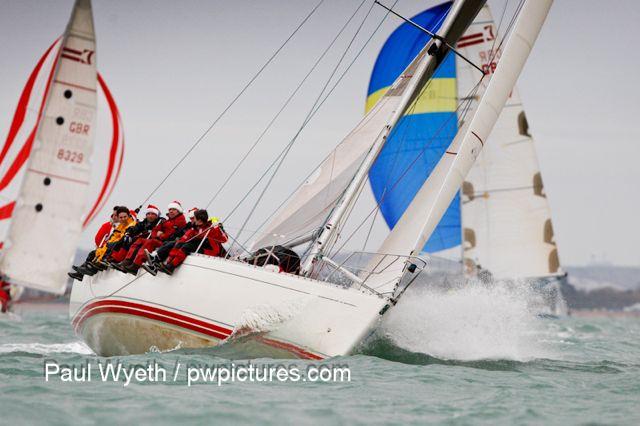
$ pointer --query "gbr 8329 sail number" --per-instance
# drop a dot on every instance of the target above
(71, 156)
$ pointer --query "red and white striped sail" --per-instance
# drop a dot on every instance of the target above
(54, 155)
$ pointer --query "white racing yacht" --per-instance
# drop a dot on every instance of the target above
(313, 314)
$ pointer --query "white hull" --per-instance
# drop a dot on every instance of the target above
(207, 299)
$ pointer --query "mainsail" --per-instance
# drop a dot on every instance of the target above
(50, 208)
(505, 215)
(428, 206)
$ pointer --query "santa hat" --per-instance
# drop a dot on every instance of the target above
(175, 205)
(152, 209)
(192, 212)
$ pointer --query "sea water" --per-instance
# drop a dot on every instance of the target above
(463, 356)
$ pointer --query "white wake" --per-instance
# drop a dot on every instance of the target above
(46, 349)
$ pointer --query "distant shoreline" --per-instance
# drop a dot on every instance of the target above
(601, 313)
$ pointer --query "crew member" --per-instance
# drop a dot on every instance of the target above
(160, 254)
(135, 237)
(161, 233)
(100, 239)
(5, 296)
(90, 267)
(206, 235)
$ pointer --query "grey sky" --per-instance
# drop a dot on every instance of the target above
(173, 66)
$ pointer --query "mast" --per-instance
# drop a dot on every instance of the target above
(428, 206)
(459, 18)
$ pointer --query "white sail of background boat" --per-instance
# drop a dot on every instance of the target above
(52, 205)
(208, 298)
(506, 218)
(503, 220)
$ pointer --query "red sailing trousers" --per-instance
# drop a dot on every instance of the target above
(146, 244)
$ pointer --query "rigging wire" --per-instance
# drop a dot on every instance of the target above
(465, 107)
(468, 99)
(233, 101)
(283, 107)
(432, 35)
(338, 81)
(306, 120)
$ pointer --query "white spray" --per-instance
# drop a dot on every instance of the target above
(470, 321)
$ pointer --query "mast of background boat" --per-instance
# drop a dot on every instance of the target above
(459, 18)
(425, 211)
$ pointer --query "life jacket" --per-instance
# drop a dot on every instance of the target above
(116, 235)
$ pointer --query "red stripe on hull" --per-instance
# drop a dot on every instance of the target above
(137, 306)
(179, 320)
(160, 318)
(289, 347)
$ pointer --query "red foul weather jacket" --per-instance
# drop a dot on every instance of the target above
(215, 237)
(168, 228)
(103, 233)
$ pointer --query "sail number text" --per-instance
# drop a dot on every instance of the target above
(70, 156)
(79, 128)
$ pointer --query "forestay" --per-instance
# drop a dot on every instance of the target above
(48, 215)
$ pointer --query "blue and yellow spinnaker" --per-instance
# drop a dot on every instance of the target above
(422, 135)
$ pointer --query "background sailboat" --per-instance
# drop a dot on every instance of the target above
(501, 218)
(50, 163)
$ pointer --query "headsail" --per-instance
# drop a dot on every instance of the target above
(428, 206)
(49, 210)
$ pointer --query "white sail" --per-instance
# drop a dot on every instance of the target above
(47, 220)
(506, 220)
(425, 211)
(311, 204)
(309, 207)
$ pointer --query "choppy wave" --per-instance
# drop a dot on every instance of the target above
(46, 349)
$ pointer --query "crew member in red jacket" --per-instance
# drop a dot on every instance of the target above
(206, 237)
(105, 229)
(5, 296)
(164, 231)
